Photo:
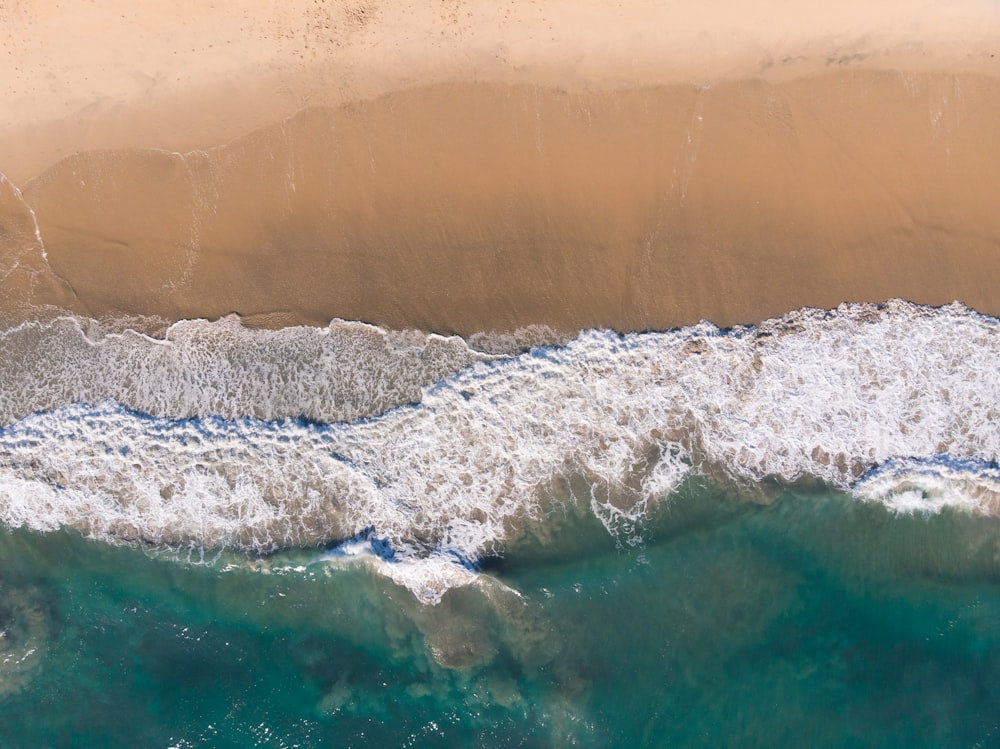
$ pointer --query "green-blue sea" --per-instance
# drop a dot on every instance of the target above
(779, 536)
(812, 619)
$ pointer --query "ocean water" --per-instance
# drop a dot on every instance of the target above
(773, 536)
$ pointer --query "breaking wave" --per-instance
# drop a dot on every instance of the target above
(897, 403)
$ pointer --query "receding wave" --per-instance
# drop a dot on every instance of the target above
(342, 372)
(872, 399)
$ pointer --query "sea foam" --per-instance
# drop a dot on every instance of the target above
(342, 372)
(621, 420)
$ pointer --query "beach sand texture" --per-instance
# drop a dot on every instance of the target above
(460, 167)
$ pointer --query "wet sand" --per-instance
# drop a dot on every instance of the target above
(482, 194)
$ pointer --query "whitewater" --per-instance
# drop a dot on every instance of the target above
(434, 453)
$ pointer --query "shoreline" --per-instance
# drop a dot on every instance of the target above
(478, 168)
(460, 208)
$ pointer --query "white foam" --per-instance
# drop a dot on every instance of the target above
(930, 486)
(428, 578)
(829, 395)
(342, 372)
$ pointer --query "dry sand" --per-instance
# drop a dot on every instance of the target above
(465, 166)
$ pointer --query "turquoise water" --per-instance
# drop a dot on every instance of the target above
(786, 535)
(811, 619)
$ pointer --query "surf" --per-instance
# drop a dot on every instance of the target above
(455, 469)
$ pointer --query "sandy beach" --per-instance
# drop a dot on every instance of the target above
(255, 491)
(460, 167)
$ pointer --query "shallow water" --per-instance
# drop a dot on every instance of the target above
(814, 619)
